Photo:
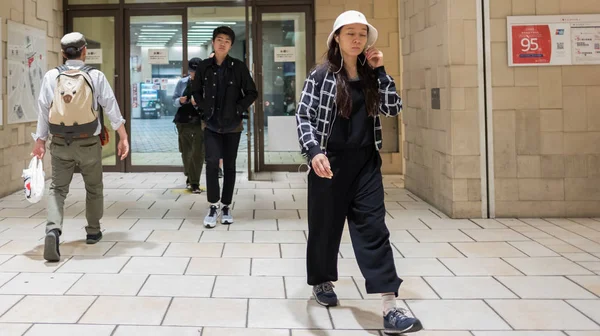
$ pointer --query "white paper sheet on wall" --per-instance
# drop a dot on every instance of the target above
(94, 56)
(284, 54)
(27, 64)
(158, 56)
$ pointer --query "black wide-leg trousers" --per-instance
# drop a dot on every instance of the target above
(355, 192)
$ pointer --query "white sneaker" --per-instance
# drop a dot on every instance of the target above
(210, 221)
(226, 216)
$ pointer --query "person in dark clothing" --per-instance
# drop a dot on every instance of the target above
(339, 131)
(212, 54)
(223, 91)
(189, 127)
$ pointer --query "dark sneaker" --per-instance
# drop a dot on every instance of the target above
(325, 295)
(51, 251)
(188, 186)
(220, 172)
(196, 189)
(226, 216)
(397, 322)
(93, 238)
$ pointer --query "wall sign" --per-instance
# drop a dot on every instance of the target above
(94, 56)
(27, 64)
(285, 54)
(158, 56)
(1, 102)
(553, 40)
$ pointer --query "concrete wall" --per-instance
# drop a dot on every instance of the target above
(441, 148)
(545, 121)
(546, 125)
(383, 14)
(16, 142)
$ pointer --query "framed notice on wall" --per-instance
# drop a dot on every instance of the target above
(1, 102)
(553, 40)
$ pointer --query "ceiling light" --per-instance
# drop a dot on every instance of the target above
(215, 23)
(157, 33)
(160, 30)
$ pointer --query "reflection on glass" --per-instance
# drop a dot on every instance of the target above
(155, 68)
(100, 35)
(201, 23)
(284, 69)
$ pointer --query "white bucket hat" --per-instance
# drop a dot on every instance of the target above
(350, 17)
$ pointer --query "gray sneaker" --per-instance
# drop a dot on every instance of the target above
(210, 221)
(51, 250)
(226, 216)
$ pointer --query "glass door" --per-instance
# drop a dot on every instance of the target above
(155, 63)
(284, 58)
(99, 29)
(201, 23)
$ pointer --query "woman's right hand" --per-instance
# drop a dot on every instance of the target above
(321, 166)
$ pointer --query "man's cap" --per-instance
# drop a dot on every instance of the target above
(73, 40)
(193, 63)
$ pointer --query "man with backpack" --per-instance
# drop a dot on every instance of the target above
(189, 129)
(72, 102)
(223, 90)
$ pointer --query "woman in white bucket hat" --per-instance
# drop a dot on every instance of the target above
(339, 130)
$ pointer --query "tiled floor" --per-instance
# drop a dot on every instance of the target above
(159, 272)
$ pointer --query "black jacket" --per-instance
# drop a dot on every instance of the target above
(186, 113)
(238, 94)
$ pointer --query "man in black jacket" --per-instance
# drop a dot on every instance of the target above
(223, 90)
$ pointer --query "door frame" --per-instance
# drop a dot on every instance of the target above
(122, 14)
(129, 12)
(119, 165)
(259, 134)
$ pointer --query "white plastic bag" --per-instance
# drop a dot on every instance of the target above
(34, 180)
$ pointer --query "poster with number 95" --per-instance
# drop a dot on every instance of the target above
(538, 44)
(531, 44)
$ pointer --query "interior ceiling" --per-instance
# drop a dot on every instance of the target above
(169, 33)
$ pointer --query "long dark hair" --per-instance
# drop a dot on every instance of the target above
(367, 76)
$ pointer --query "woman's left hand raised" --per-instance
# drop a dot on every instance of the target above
(374, 57)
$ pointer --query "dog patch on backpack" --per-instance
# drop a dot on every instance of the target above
(72, 113)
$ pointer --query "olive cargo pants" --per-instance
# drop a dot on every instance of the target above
(87, 155)
(191, 146)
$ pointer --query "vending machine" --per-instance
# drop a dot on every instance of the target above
(149, 101)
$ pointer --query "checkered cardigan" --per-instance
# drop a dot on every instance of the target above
(317, 110)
